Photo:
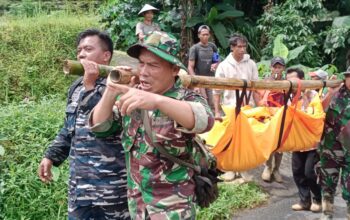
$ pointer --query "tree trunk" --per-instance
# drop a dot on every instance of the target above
(185, 35)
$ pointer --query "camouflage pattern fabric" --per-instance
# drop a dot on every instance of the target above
(158, 188)
(95, 213)
(97, 165)
(334, 156)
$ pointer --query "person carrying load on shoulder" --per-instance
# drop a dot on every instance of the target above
(303, 162)
(236, 65)
(158, 111)
(334, 149)
(274, 99)
(97, 171)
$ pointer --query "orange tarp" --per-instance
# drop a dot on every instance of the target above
(246, 141)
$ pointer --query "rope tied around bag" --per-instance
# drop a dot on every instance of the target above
(283, 136)
(240, 97)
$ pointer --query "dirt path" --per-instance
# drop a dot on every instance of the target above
(282, 197)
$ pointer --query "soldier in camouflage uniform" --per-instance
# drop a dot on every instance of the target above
(157, 187)
(335, 149)
(97, 182)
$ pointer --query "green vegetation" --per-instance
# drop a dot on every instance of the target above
(32, 51)
(233, 197)
(25, 132)
(322, 26)
(219, 18)
(294, 19)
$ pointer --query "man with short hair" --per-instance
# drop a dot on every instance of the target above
(274, 99)
(236, 65)
(334, 149)
(97, 172)
(318, 75)
(303, 162)
(203, 60)
(159, 110)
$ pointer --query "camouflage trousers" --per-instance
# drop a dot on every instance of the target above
(92, 212)
(333, 163)
(172, 207)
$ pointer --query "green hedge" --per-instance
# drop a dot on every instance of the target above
(25, 133)
(31, 54)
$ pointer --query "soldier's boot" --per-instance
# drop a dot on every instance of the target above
(266, 175)
(276, 173)
(327, 210)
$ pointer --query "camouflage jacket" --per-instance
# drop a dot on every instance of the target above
(337, 124)
(148, 171)
(97, 165)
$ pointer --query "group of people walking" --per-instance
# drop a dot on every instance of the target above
(111, 131)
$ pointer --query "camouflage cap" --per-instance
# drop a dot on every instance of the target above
(161, 44)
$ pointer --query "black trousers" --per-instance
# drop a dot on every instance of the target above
(303, 164)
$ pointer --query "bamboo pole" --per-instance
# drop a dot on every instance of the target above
(233, 83)
(123, 77)
(72, 67)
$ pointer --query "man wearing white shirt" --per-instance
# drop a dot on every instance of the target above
(236, 65)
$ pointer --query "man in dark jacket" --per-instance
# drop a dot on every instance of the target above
(97, 181)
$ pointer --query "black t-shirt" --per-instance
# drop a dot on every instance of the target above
(202, 56)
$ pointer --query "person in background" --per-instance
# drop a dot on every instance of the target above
(97, 171)
(147, 26)
(203, 60)
(274, 99)
(334, 149)
(303, 162)
(236, 65)
(318, 75)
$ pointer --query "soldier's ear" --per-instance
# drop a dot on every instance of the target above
(175, 70)
(107, 56)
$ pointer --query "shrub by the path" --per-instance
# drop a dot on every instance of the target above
(25, 132)
(32, 50)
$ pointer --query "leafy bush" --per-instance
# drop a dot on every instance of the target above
(294, 19)
(337, 41)
(25, 133)
(279, 50)
(32, 51)
(220, 18)
(120, 19)
(121, 16)
(30, 8)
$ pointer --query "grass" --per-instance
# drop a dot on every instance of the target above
(25, 132)
(233, 197)
(32, 50)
